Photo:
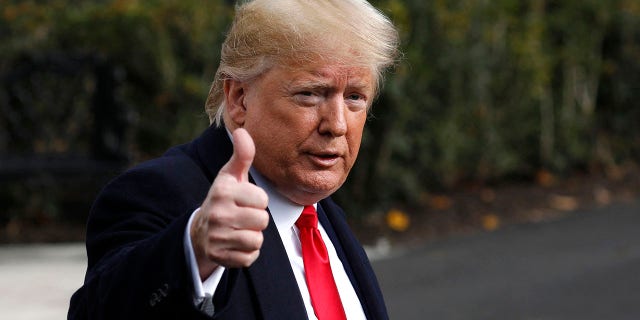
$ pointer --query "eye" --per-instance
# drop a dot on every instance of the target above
(356, 101)
(307, 98)
(355, 97)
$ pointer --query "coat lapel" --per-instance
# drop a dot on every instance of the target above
(270, 275)
(355, 260)
(273, 280)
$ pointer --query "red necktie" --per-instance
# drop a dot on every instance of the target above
(322, 288)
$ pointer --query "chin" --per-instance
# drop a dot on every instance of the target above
(310, 186)
(310, 193)
(307, 198)
(317, 193)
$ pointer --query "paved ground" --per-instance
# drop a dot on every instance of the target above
(37, 281)
(583, 267)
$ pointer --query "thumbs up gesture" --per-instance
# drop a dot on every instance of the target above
(227, 230)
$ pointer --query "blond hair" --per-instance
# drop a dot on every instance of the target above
(265, 33)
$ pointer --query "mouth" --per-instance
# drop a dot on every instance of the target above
(324, 159)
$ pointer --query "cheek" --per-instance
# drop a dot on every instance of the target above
(354, 149)
(354, 137)
(277, 146)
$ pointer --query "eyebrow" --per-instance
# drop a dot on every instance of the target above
(318, 84)
(360, 85)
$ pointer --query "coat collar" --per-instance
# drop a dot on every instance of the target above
(212, 149)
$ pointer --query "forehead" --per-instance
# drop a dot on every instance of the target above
(324, 73)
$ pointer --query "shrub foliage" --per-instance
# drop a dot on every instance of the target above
(485, 90)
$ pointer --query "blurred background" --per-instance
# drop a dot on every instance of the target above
(499, 112)
(489, 95)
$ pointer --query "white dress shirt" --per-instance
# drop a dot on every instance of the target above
(284, 213)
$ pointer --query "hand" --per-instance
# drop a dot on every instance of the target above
(227, 230)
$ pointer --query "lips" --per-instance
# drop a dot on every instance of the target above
(324, 159)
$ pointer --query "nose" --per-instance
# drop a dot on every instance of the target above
(333, 120)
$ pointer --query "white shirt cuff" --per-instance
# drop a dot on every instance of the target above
(210, 284)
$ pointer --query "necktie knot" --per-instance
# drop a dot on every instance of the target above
(308, 218)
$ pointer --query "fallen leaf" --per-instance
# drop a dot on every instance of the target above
(545, 178)
(563, 203)
(440, 202)
(397, 220)
(487, 195)
(490, 222)
(602, 195)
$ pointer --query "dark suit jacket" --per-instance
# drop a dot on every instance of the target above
(137, 267)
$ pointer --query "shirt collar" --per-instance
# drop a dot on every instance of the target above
(284, 211)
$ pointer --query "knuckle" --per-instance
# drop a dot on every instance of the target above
(222, 189)
(252, 241)
(254, 256)
(223, 215)
(246, 241)
(263, 220)
(259, 239)
(264, 199)
(248, 259)
(260, 197)
(218, 218)
(225, 258)
(218, 237)
(213, 256)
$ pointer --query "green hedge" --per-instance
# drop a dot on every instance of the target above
(495, 90)
(485, 91)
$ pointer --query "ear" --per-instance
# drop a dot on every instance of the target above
(235, 94)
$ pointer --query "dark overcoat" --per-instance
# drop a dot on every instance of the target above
(137, 267)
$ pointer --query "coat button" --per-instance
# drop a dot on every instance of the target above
(159, 294)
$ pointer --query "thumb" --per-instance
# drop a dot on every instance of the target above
(243, 152)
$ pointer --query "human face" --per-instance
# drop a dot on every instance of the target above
(306, 123)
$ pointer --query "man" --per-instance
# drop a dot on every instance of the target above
(224, 226)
